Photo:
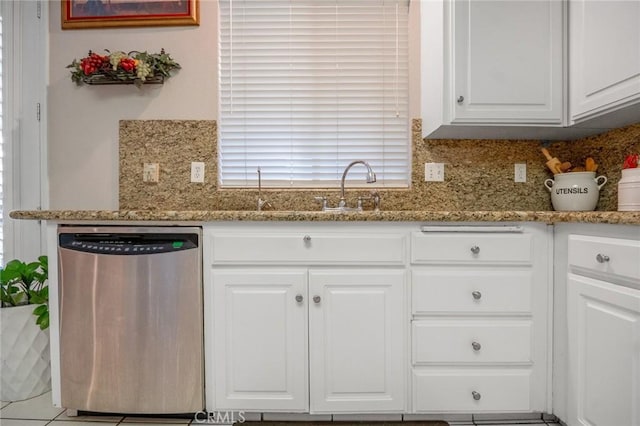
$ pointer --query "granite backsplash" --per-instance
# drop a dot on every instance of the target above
(478, 173)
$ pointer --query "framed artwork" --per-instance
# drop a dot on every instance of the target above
(79, 14)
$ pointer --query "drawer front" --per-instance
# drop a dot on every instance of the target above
(470, 248)
(471, 291)
(471, 341)
(615, 258)
(453, 390)
(308, 248)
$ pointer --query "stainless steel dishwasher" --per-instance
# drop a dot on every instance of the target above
(131, 319)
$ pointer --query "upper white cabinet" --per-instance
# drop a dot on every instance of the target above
(489, 65)
(604, 58)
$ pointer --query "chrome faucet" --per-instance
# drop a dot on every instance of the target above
(371, 177)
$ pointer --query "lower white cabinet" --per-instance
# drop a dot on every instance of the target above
(603, 318)
(472, 390)
(604, 353)
(314, 318)
(261, 339)
(480, 318)
(311, 326)
(351, 321)
(356, 340)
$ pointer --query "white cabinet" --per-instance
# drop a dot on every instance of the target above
(603, 310)
(604, 58)
(261, 339)
(356, 343)
(305, 319)
(489, 65)
(480, 334)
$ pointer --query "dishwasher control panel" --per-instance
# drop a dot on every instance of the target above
(128, 244)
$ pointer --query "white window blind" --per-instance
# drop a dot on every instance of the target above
(307, 86)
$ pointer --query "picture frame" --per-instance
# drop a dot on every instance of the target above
(82, 14)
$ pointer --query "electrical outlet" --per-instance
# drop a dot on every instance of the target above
(520, 172)
(434, 172)
(151, 172)
(197, 172)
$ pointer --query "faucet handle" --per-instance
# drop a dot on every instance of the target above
(322, 201)
(376, 200)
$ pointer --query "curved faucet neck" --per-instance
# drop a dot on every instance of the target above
(371, 176)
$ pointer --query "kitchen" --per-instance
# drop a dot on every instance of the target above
(85, 170)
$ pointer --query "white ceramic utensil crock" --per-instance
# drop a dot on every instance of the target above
(575, 191)
(629, 190)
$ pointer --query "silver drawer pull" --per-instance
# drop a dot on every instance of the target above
(602, 258)
(299, 298)
(475, 249)
(476, 295)
(476, 395)
(476, 346)
(316, 299)
(306, 238)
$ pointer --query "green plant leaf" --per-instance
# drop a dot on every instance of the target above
(25, 283)
(43, 320)
(40, 310)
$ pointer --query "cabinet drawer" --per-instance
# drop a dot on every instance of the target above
(471, 248)
(471, 291)
(453, 390)
(471, 341)
(308, 248)
(613, 259)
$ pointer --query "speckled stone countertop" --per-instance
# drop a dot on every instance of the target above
(201, 216)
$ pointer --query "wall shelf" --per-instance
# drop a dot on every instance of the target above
(97, 79)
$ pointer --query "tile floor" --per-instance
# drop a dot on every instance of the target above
(38, 411)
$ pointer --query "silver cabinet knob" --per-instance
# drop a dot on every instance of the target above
(460, 99)
(602, 258)
(299, 298)
(476, 346)
(316, 299)
(476, 395)
(476, 295)
(306, 238)
(475, 249)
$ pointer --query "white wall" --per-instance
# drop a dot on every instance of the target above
(83, 121)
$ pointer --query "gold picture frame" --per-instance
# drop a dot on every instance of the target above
(81, 14)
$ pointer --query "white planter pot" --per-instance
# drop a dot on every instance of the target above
(25, 371)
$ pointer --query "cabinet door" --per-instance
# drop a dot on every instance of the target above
(604, 59)
(356, 340)
(260, 340)
(507, 62)
(604, 353)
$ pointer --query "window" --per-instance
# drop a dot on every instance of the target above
(307, 86)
